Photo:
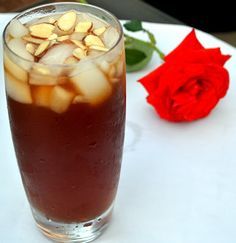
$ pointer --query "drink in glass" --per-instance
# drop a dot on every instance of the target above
(65, 84)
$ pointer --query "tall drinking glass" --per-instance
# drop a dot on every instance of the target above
(67, 122)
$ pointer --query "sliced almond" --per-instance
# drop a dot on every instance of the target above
(33, 40)
(99, 31)
(98, 48)
(41, 30)
(60, 99)
(83, 27)
(71, 60)
(52, 37)
(41, 48)
(67, 21)
(30, 48)
(93, 40)
(15, 70)
(53, 42)
(79, 53)
(60, 32)
(79, 44)
(18, 90)
(63, 38)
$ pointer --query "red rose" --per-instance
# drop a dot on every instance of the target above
(190, 82)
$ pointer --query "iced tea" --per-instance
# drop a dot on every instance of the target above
(65, 85)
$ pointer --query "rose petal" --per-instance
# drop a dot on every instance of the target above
(150, 81)
(211, 55)
(189, 43)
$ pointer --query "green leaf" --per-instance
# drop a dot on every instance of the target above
(138, 54)
(134, 56)
(133, 25)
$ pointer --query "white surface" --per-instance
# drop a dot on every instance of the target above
(178, 181)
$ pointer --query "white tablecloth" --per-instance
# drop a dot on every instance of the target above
(178, 181)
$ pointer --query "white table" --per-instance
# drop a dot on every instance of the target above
(178, 182)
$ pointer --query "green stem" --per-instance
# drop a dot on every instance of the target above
(159, 52)
(150, 36)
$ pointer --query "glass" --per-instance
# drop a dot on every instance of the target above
(69, 160)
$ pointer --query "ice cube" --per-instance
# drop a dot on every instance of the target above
(110, 37)
(17, 90)
(105, 66)
(57, 54)
(94, 53)
(41, 75)
(41, 95)
(93, 84)
(39, 79)
(18, 47)
(17, 29)
(60, 99)
(14, 69)
(120, 67)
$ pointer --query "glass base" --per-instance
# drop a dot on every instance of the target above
(74, 232)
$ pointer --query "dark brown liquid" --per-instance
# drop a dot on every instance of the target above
(70, 162)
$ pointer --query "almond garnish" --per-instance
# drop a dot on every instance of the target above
(79, 44)
(42, 47)
(41, 30)
(52, 37)
(30, 48)
(53, 42)
(83, 27)
(79, 53)
(32, 40)
(99, 48)
(63, 38)
(93, 40)
(67, 21)
(99, 31)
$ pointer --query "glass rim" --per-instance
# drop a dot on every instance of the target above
(120, 29)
